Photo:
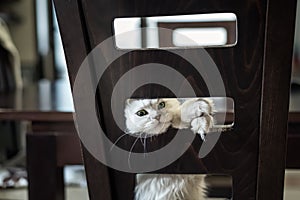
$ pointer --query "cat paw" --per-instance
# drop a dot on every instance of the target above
(201, 125)
(195, 108)
(204, 107)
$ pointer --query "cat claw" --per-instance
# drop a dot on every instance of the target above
(203, 136)
(200, 126)
(200, 132)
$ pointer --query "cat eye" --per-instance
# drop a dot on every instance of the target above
(161, 105)
(142, 113)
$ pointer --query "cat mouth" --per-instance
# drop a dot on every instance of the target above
(161, 127)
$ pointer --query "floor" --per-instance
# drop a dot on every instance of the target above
(292, 190)
(292, 185)
(72, 193)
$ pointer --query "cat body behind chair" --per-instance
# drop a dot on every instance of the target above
(154, 117)
(169, 187)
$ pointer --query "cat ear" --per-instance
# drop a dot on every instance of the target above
(129, 101)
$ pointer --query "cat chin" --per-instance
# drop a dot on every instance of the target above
(153, 128)
(159, 129)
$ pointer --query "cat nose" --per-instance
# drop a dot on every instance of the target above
(157, 117)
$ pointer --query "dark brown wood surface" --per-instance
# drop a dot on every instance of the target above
(241, 67)
(76, 47)
(45, 178)
(275, 97)
(237, 152)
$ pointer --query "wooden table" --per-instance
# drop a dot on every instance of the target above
(52, 142)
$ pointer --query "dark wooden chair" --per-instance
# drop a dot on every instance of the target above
(256, 74)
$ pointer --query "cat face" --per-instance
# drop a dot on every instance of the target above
(150, 116)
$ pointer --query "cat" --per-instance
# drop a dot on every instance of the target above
(155, 116)
(150, 116)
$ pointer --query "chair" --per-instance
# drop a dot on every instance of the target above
(256, 74)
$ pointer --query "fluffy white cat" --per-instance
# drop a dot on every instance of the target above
(155, 116)
(150, 116)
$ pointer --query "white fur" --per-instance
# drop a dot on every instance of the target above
(198, 113)
(156, 121)
(195, 114)
(195, 107)
(169, 187)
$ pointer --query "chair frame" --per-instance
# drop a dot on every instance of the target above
(268, 141)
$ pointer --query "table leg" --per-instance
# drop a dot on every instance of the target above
(45, 178)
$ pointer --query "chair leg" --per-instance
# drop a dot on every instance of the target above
(45, 178)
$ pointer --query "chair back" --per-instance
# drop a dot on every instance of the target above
(255, 73)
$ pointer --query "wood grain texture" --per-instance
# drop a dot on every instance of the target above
(42, 168)
(237, 152)
(73, 38)
(240, 67)
(275, 100)
(71, 24)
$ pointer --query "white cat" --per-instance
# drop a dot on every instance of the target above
(151, 116)
(155, 116)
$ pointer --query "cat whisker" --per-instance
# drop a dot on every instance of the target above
(119, 138)
(141, 139)
(130, 151)
(145, 143)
